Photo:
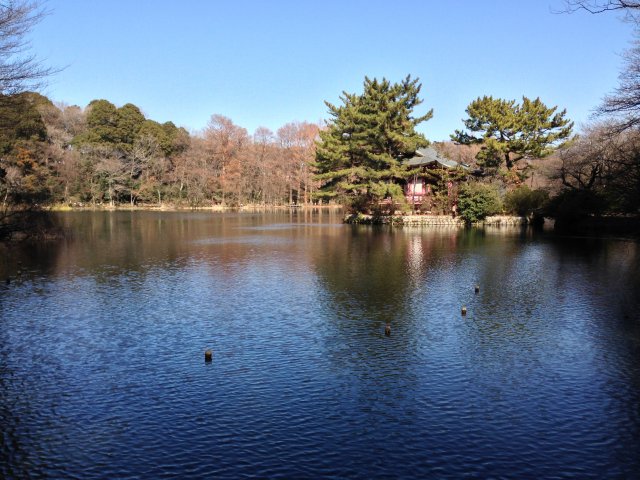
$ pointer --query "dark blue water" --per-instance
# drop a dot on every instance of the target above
(102, 340)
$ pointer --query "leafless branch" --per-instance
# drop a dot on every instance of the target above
(19, 70)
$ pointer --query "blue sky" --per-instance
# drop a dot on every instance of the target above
(266, 63)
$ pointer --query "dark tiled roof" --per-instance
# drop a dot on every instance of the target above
(428, 156)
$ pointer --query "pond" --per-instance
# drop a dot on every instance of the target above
(102, 341)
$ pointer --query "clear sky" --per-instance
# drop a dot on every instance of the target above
(266, 63)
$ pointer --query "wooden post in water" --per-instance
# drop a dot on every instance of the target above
(464, 310)
(208, 356)
(387, 330)
(477, 289)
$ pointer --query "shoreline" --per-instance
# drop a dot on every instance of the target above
(434, 220)
(603, 226)
(179, 208)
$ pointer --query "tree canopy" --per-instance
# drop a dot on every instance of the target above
(359, 154)
(508, 131)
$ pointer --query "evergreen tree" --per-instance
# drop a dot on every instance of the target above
(359, 154)
(102, 124)
(171, 139)
(509, 132)
(129, 120)
(24, 171)
(108, 125)
(20, 120)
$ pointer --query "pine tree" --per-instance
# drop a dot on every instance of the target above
(509, 132)
(359, 155)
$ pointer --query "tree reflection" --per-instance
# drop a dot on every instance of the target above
(365, 272)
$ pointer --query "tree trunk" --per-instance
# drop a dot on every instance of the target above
(508, 161)
(222, 182)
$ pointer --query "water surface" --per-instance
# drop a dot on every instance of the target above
(102, 340)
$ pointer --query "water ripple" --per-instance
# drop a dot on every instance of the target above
(102, 373)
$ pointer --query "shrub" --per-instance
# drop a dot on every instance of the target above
(355, 204)
(381, 199)
(477, 201)
(441, 203)
(523, 201)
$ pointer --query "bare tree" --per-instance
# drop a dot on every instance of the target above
(585, 162)
(624, 102)
(460, 153)
(630, 8)
(297, 146)
(226, 143)
(193, 173)
(606, 161)
(19, 70)
(63, 122)
(144, 163)
(262, 162)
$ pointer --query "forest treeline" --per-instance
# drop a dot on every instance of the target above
(104, 154)
(108, 155)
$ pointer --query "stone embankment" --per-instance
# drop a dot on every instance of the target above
(428, 220)
(433, 220)
(505, 221)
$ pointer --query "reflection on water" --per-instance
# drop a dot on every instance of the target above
(102, 339)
